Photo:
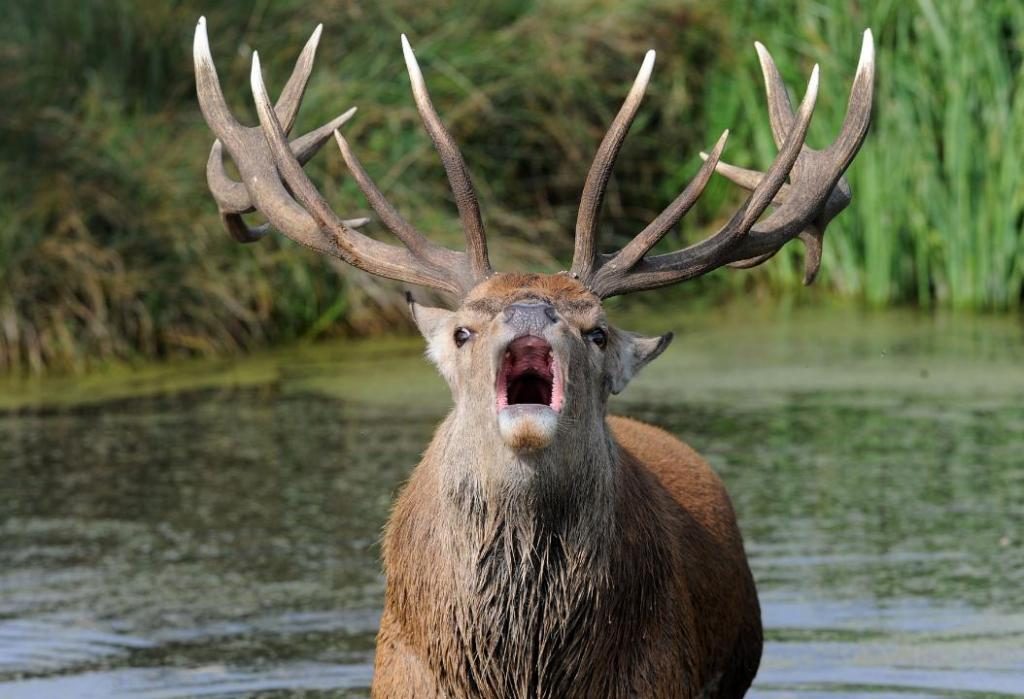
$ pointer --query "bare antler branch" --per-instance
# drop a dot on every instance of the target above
(817, 174)
(585, 255)
(815, 195)
(454, 166)
(274, 183)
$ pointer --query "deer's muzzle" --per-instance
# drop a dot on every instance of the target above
(530, 393)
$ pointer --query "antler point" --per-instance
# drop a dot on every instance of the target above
(201, 43)
(259, 90)
(646, 68)
(314, 38)
(867, 53)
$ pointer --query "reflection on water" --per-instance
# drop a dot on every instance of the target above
(224, 541)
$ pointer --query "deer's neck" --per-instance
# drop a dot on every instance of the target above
(518, 564)
(554, 491)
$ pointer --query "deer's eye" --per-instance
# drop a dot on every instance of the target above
(462, 335)
(598, 336)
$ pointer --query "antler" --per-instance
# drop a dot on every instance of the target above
(274, 183)
(817, 192)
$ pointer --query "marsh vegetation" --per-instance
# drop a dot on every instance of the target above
(110, 248)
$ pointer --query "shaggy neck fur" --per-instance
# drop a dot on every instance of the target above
(531, 566)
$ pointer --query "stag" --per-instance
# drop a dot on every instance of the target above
(542, 548)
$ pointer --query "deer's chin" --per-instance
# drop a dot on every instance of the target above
(527, 426)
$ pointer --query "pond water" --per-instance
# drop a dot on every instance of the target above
(212, 529)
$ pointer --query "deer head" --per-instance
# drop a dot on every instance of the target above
(530, 358)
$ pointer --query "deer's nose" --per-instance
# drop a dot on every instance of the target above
(530, 316)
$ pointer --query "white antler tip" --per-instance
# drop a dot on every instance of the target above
(812, 84)
(345, 117)
(646, 67)
(867, 52)
(256, 77)
(719, 144)
(413, 67)
(721, 140)
(767, 66)
(201, 44)
(314, 38)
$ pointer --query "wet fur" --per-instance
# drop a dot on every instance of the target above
(611, 566)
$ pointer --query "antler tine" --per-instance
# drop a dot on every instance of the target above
(353, 247)
(815, 194)
(819, 190)
(858, 110)
(702, 257)
(211, 98)
(585, 255)
(667, 219)
(780, 109)
(233, 198)
(274, 183)
(287, 106)
(454, 166)
(412, 238)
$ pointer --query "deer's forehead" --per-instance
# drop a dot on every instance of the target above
(567, 294)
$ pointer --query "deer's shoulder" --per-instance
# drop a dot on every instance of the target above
(688, 479)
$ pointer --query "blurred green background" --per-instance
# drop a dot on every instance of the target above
(111, 249)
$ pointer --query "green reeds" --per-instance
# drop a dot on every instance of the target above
(110, 247)
(938, 203)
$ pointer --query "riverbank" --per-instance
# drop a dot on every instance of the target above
(716, 352)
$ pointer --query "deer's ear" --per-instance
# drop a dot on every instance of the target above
(629, 353)
(436, 326)
(428, 319)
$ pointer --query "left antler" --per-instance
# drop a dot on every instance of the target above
(274, 183)
(815, 194)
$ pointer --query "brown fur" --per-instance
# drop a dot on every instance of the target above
(608, 564)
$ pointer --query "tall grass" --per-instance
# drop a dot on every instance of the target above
(110, 247)
(938, 192)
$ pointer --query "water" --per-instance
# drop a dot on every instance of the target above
(212, 529)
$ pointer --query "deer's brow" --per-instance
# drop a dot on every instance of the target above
(484, 306)
(580, 306)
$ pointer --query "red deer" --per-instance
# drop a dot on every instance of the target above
(542, 548)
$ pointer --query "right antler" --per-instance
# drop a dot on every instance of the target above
(274, 183)
(816, 193)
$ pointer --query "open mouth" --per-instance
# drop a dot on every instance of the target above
(529, 375)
